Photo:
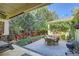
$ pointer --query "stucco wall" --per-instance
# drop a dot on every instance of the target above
(77, 34)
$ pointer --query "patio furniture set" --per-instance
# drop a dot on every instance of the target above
(51, 40)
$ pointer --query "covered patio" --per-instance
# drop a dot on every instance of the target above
(39, 46)
(8, 11)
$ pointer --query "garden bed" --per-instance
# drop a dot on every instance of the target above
(28, 40)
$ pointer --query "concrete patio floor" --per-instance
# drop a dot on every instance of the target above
(19, 51)
(41, 48)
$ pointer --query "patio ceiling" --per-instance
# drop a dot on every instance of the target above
(61, 20)
(13, 9)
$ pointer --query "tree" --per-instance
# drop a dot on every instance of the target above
(33, 21)
(29, 21)
(45, 14)
(74, 21)
(60, 26)
(15, 25)
(76, 16)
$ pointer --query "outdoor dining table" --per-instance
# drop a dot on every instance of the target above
(51, 40)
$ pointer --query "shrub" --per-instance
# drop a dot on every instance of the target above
(24, 41)
(63, 36)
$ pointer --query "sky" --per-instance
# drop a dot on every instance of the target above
(64, 10)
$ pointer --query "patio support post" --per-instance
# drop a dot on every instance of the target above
(49, 29)
(6, 29)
